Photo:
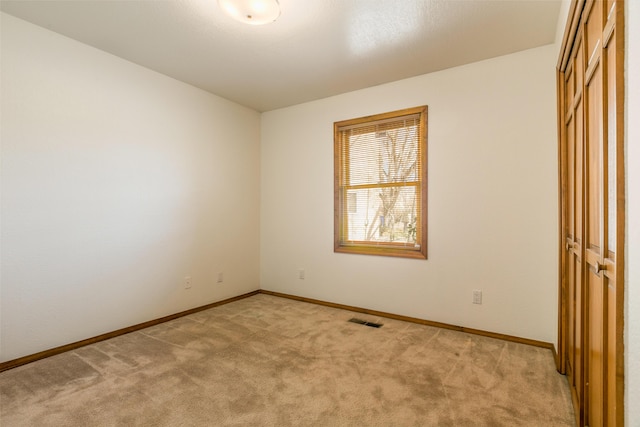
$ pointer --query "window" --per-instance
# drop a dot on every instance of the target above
(380, 187)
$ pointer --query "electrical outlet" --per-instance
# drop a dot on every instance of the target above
(301, 273)
(187, 282)
(220, 277)
(477, 296)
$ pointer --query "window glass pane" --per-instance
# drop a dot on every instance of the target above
(382, 214)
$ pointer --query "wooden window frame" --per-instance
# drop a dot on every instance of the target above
(381, 248)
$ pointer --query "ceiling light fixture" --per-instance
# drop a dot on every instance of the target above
(252, 12)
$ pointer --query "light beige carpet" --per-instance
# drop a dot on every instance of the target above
(269, 361)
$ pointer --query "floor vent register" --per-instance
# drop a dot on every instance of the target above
(364, 322)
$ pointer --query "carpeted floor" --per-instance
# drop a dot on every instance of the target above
(269, 361)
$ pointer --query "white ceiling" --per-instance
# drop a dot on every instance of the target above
(316, 48)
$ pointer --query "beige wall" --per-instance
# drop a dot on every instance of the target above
(117, 182)
(492, 199)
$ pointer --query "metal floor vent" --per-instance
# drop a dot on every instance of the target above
(364, 322)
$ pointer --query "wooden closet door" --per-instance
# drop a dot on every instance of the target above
(600, 215)
(594, 201)
(592, 213)
(613, 212)
(573, 167)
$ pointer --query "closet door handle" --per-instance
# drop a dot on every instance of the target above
(569, 245)
(600, 267)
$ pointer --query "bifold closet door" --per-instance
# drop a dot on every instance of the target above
(592, 215)
(612, 63)
(599, 272)
(573, 170)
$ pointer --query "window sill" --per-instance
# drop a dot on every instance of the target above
(414, 253)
